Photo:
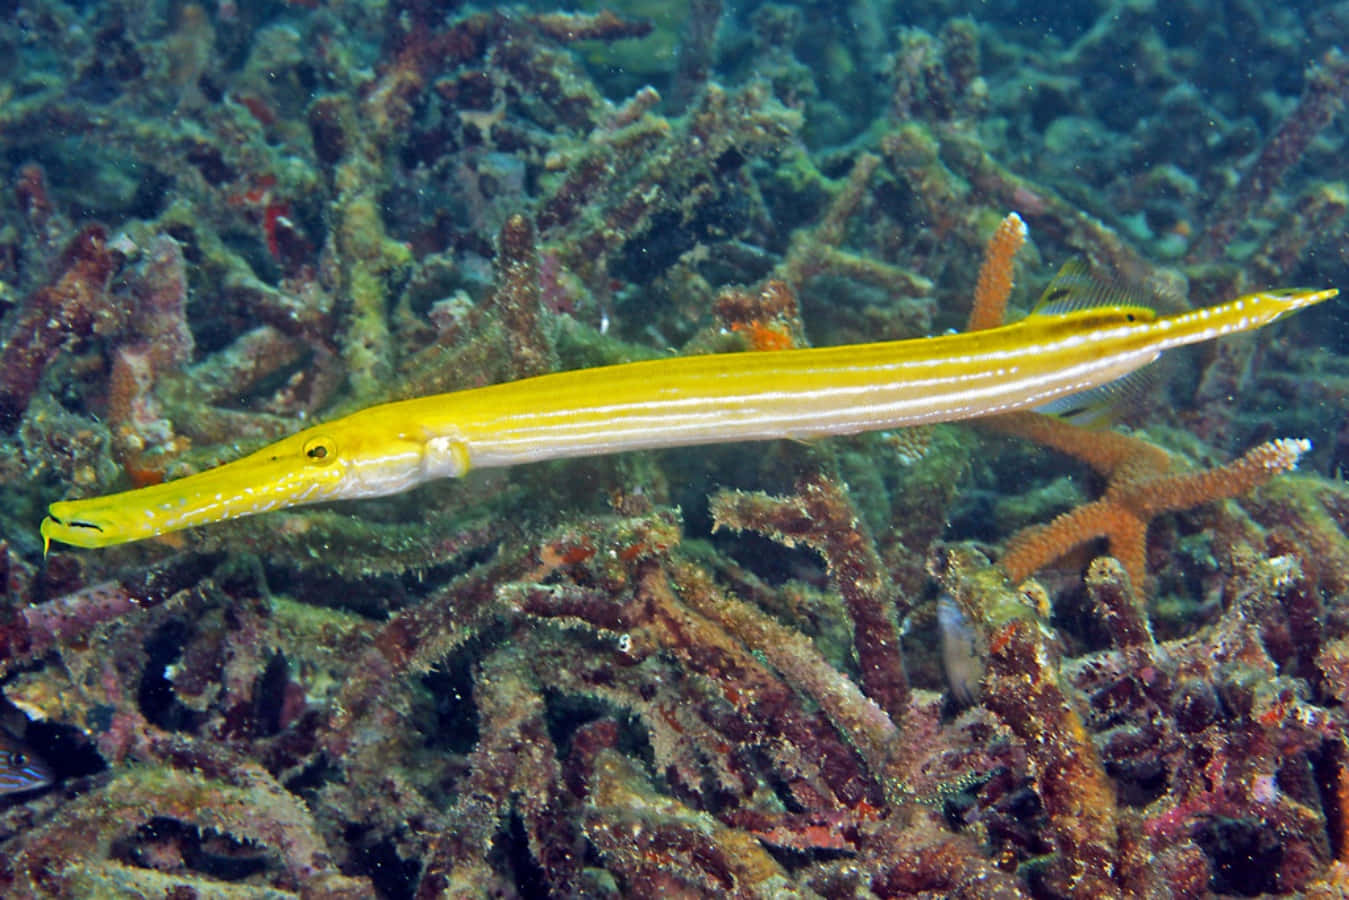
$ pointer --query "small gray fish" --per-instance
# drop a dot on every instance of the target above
(20, 768)
(961, 654)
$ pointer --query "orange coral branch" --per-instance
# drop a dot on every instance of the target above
(1104, 451)
(995, 275)
(1232, 480)
(1038, 545)
(1140, 490)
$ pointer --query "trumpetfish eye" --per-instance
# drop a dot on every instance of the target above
(320, 451)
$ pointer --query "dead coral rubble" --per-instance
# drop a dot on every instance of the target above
(701, 673)
(71, 305)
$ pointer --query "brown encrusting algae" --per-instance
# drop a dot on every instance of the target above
(1024, 656)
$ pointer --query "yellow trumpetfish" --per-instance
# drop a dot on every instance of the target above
(751, 396)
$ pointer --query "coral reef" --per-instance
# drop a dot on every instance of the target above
(1014, 659)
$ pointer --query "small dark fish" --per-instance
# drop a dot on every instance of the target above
(20, 768)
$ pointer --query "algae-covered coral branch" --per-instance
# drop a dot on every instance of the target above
(1324, 98)
(70, 306)
(821, 516)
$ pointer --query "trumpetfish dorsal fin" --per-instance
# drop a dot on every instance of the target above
(1074, 288)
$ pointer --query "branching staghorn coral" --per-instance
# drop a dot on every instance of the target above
(553, 679)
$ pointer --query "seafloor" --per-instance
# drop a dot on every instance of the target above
(1015, 658)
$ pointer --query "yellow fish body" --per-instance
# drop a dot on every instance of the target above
(673, 402)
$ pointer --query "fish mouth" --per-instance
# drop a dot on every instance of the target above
(75, 523)
(76, 532)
